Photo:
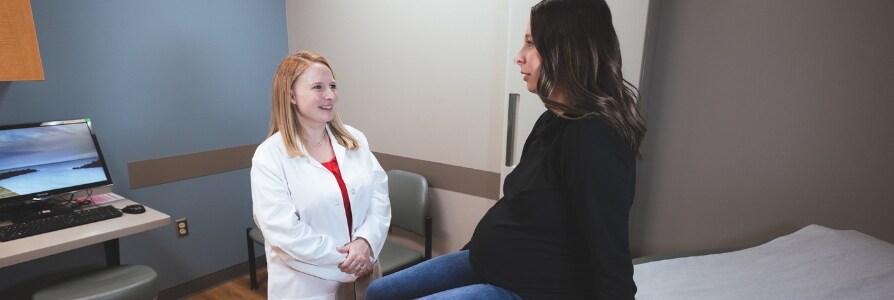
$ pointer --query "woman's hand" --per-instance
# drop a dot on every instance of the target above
(357, 262)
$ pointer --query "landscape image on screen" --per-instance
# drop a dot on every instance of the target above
(39, 159)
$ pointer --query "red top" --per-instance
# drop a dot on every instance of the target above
(332, 165)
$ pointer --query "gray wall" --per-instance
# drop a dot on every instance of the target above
(766, 116)
(158, 78)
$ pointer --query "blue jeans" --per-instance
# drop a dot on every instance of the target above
(444, 277)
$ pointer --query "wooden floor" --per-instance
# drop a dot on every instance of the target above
(236, 289)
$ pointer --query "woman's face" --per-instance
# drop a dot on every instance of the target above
(314, 95)
(528, 59)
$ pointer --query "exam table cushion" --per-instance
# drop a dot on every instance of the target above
(813, 263)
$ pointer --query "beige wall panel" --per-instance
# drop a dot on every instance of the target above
(458, 179)
(162, 170)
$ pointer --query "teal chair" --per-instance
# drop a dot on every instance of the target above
(410, 212)
(135, 282)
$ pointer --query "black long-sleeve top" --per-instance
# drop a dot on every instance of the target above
(561, 229)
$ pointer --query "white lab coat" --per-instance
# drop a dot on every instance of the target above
(298, 206)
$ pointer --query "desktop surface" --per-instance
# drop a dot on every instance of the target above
(33, 247)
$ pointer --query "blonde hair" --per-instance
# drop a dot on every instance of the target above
(284, 115)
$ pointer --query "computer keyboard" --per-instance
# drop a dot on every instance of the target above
(57, 222)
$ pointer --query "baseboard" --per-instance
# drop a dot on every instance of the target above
(200, 284)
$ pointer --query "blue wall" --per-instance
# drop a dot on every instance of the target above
(158, 78)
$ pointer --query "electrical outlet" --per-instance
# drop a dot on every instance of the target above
(182, 228)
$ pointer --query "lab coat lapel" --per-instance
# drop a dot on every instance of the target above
(337, 148)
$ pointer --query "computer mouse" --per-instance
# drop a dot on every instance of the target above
(134, 209)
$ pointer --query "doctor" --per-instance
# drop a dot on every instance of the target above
(319, 195)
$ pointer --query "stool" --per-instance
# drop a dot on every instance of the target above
(117, 282)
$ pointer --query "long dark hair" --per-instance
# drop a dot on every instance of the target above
(581, 56)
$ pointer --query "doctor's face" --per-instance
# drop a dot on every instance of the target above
(314, 95)
(528, 59)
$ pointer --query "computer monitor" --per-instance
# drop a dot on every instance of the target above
(41, 160)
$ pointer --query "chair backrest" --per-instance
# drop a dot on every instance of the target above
(409, 200)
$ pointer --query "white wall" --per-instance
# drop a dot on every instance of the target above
(422, 79)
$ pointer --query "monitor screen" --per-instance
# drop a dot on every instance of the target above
(40, 160)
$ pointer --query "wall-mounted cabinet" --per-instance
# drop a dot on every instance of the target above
(19, 54)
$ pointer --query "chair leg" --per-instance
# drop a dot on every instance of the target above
(252, 268)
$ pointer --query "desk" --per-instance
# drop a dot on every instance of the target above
(106, 232)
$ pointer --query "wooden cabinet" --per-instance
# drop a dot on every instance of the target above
(19, 54)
